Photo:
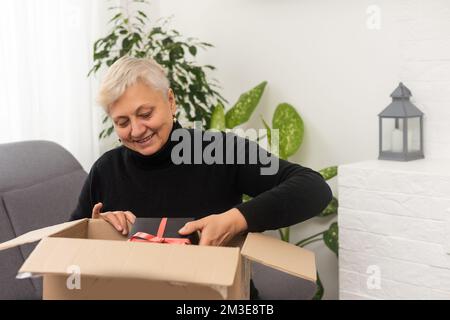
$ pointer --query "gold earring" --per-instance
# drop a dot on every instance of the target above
(174, 119)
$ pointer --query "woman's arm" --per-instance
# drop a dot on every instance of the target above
(84, 205)
(291, 195)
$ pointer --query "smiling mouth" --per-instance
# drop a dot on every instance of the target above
(145, 139)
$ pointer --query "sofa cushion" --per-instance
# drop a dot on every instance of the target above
(10, 262)
(44, 204)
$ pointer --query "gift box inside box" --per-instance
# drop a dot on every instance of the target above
(162, 230)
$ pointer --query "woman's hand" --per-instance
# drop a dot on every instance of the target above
(217, 229)
(119, 219)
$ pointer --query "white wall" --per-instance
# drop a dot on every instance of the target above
(320, 56)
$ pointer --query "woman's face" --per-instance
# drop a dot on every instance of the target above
(143, 118)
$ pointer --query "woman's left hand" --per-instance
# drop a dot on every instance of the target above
(217, 229)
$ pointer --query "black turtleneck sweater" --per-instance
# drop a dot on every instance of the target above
(154, 186)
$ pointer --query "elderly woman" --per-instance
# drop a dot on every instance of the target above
(141, 178)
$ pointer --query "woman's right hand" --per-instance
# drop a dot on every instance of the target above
(119, 219)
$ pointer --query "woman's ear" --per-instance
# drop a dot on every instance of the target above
(172, 101)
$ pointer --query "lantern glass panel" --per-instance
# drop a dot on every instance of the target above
(413, 134)
(392, 135)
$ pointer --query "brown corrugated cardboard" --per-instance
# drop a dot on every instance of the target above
(39, 234)
(112, 268)
(282, 256)
(145, 261)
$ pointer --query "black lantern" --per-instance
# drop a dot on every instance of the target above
(401, 128)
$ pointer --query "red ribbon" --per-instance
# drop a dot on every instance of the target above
(145, 237)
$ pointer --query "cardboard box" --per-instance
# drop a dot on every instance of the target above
(89, 259)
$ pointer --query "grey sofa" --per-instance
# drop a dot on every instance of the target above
(39, 186)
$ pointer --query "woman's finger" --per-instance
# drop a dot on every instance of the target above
(96, 210)
(204, 241)
(123, 221)
(112, 219)
(130, 217)
(190, 227)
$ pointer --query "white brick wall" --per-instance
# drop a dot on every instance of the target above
(423, 28)
(394, 216)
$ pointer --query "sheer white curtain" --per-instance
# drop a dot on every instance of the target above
(45, 55)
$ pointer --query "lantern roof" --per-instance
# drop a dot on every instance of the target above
(400, 106)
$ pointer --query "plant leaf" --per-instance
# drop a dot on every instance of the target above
(218, 118)
(109, 131)
(245, 106)
(331, 209)
(176, 53)
(193, 50)
(291, 129)
(269, 131)
(329, 173)
(320, 291)
(142, 14)
(274, 151)
(284, 234)
(117, 16)
(101, 134)
(331, 238)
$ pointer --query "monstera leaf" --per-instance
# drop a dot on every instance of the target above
(245, 106)
(218, 118)
(331, 238)
(329, 172)
(290, 125)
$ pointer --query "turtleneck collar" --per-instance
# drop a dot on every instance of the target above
(162, 158)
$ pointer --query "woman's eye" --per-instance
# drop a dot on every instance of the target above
(122, 124)
(146, 115)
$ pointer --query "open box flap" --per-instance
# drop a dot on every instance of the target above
(122, 259)
(280, 255)
(38, 234)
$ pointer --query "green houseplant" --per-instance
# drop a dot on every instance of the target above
(133, 33)
(291, 131)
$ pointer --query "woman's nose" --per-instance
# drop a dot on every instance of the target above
(137, 129)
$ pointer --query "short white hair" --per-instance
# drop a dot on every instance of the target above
(126, 72)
